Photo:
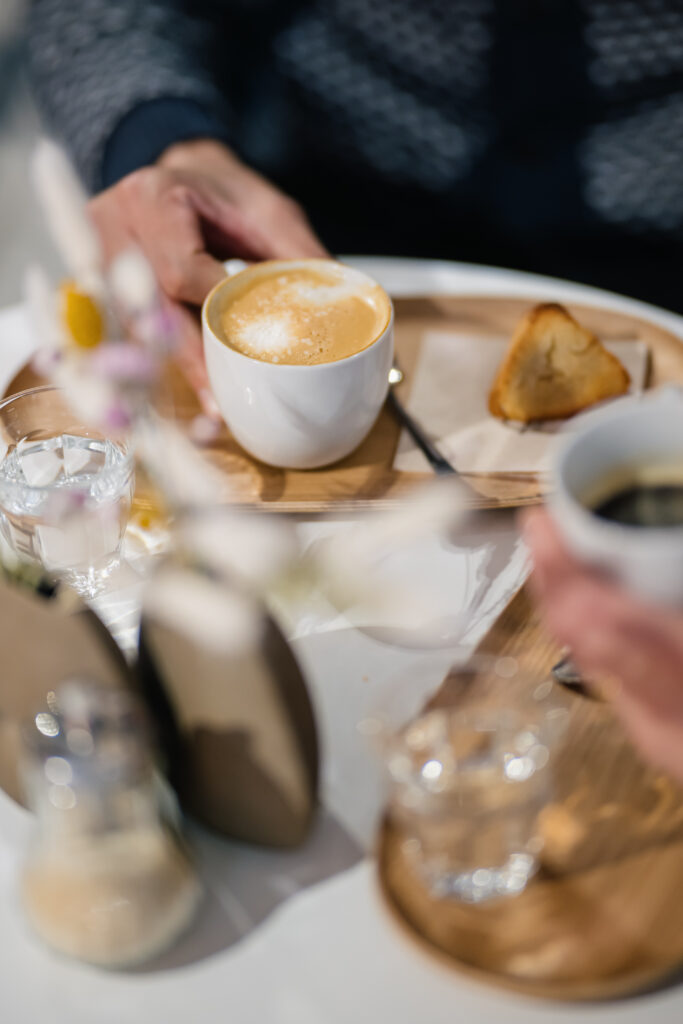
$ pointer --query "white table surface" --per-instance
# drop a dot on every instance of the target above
(302, 937)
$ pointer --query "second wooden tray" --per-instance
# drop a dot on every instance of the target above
(603, 917)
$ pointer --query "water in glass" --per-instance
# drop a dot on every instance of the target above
(64, 503)
(467, 788)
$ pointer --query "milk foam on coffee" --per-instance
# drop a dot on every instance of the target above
(305, 316)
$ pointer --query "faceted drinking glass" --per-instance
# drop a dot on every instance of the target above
(65, 489)
(468, 776)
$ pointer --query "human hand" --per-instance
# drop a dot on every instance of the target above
(637, 648)
(197, 206)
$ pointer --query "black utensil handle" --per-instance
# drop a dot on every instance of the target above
(436, 460)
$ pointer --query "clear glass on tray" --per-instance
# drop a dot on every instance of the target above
(469, 774)
(65, 489)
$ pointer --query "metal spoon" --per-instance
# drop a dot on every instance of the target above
(439, 464)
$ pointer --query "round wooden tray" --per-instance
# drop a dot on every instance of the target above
(366, 478)
(602, 919)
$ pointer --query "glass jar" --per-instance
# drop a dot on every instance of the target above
(108, 879)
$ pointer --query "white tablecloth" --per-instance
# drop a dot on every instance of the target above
(302, 937)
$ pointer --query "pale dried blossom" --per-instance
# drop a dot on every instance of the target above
(41, 304)
(435, 508)
(102, 338)
(186, 479)
(45, 361)
(90, 397)
(344, 573)
(64, 203)
(149, 319)
(124, 363)
(257, 551)
(203, 430)
(132, 282)
(350, 565)
(225, 622)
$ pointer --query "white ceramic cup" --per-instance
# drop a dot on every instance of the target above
(298, 416)
(646, 431)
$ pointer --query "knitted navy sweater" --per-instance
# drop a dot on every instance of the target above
(544, 134)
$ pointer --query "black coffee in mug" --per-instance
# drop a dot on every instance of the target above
(643, 496)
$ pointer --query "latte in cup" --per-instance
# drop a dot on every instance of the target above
(305, 315)
(298, 354)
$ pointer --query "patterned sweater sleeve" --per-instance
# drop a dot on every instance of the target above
(119, 82)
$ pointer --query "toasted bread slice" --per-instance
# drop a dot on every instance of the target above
(554, 368)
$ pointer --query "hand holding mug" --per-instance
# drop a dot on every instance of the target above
(199, 204)
(608, 564)
(615, 636)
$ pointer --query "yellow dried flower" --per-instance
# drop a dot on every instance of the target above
(82, 317)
